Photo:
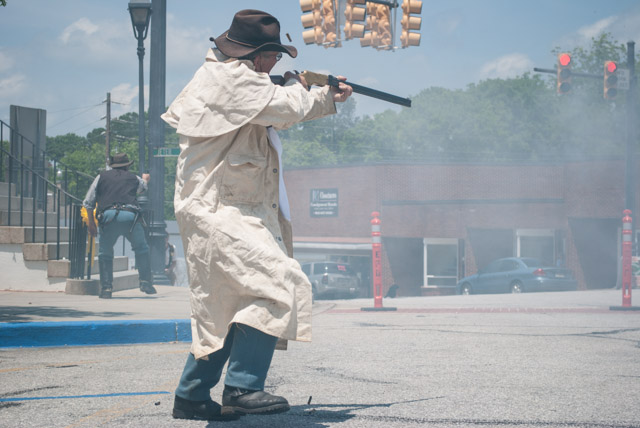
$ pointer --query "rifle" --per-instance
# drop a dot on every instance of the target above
(318, 79)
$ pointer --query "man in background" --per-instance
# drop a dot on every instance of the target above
(118, 212)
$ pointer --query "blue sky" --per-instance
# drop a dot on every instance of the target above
(64, 56)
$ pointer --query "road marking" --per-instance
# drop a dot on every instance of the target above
(60, 397)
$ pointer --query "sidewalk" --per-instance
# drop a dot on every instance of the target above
(31, 319)
(56, 319)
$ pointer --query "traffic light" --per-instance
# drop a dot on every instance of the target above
(354, 19)
(312, 20)
(329, 24)
(610, 80)
(564, 73)
(383, 15)
(410, 22)
(371, 37)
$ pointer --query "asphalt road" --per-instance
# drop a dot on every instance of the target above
(543, 360)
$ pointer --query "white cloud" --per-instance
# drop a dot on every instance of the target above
(123, 97)
(124, 93)
(590, 31)
(82, 25)
(12, 85)
(6, 62)
(622, 28)
(95, 43)
(506, 66)
(627, 27)
(186, 44)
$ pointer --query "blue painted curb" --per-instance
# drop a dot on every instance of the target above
(87, 333)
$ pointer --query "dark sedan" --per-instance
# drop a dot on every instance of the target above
(517, 275)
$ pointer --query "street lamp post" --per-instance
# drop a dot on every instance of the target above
(140, 15)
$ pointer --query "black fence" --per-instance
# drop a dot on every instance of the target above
(39, 189)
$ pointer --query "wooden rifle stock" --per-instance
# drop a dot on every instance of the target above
(322, 80)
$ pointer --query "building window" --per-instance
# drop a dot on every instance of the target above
(440, 262)
(536, 243)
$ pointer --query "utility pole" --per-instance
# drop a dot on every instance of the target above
(108, 130)
(630, 188)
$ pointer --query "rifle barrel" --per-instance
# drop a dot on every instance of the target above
(359, 89)
(374, 93)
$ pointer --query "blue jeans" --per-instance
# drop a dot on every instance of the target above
(249, 352)
(120, 225)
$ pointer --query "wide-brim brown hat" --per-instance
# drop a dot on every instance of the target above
(252, 30)
(120, 160)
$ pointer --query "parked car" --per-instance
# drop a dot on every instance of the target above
(331, 279)
(517, 275)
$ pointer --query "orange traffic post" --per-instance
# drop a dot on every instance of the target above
(376, 264)
(627, 235)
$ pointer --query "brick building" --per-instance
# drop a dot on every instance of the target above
(441, 222)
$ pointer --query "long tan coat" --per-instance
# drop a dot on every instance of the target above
(237, 243)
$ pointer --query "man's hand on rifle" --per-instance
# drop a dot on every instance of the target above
(342, 92)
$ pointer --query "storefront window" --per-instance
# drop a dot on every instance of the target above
(440, 262)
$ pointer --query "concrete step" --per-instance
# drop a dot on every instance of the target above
(4, 188)
(24, 235)
(48, 251)
(62, 268)
(125, 280)
(25, 275)
(27, 203)
(27, 218)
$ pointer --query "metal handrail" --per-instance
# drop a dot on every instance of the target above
(31, 183)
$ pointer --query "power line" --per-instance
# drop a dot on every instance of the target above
(75, 115)
(74, 108)
(84, 126)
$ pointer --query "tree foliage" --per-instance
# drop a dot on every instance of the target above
(88, 155)
(521, 118)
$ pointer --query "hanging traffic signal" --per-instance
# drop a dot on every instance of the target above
(312, 20)
(610, 80)
(564, 73)
(383, 15)
(329, 24)
(354, 19)
(410, 22)
(371, 37)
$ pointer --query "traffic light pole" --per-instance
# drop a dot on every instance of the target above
(630, 157)
(573, 73)
(631, 135)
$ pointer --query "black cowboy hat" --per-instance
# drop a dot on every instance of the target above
(250, 31)
(120, 160)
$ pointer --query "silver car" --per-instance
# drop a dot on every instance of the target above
(332, 279)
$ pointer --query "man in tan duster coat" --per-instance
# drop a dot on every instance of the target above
(231, 206)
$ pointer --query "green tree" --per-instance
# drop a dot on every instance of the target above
(521, 118)
(59, 146)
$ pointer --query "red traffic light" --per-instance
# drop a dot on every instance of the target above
(610, 80)
(564, 73)
(564, 59)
